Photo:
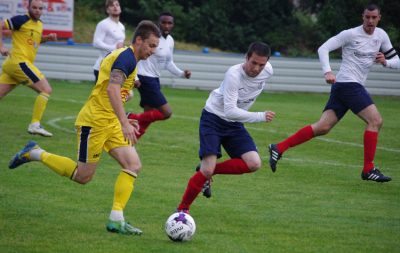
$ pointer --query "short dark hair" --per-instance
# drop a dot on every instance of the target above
(259, 48)
(372, 7)
(146, 28)
(165, 13)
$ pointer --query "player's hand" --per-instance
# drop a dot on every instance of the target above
(51, 37)
(380, 58)
(330, 77)
(187, 74)
(119, 45)
(269, 116)
(137, 83)
(4, 51)
(130, 130)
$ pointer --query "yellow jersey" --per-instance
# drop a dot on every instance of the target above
(97, 110)
(26, 37)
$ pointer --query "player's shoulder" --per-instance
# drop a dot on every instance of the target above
(17, 21)
(268, 68)
(380, 32)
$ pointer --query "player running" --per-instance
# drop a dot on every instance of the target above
(152, 100)
(362, 46)
(102, 124)
(221, 122)
(18, 67)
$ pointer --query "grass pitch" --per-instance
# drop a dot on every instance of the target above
(315, 202)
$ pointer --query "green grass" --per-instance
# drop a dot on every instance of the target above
(315, 202)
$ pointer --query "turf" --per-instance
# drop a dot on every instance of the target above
(315, 202)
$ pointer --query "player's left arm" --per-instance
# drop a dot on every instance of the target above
(388, 56)
(49, 37)
(117, 79)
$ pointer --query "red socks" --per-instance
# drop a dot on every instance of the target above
(232, 166)
(301, 136)
(146, 118)
(370, 142)
(193, 188)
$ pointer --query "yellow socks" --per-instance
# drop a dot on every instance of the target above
(123, 189)
(39, 107)
(63, 166)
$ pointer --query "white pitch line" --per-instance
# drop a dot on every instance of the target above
(54, 124)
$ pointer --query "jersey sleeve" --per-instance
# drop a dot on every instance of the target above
(231, 96)
(331, 44)
(16, 22)
(125, 62)
(392, 58)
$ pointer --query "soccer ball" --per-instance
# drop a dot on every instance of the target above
(180, 227)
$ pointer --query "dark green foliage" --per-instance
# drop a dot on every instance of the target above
(231, 25)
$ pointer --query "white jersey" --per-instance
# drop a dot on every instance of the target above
(237, 93)
(108, 33)
(359, 51)
(161, 59)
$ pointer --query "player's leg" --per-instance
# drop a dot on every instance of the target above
(334, 110)
(197, 181)
(63, 166)
(5, 89)
(154, 103)
(81, 171)
(26, 72)
(238, 143)
(44, 90)
(7, 83)
(210, 150)
(128, 159)
(374, 121)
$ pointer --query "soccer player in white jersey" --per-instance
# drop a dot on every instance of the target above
(109, 34)
(221, 122)
(152, 100)
(362, 46)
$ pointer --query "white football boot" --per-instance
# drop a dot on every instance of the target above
(36, 128)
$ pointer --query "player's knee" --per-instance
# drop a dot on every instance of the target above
(167, 114)
(83, 179)
(322, 129)
(254, 165)
(48, 90)
(376, 122)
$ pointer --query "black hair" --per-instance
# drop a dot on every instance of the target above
(372, 7)
(259, 48)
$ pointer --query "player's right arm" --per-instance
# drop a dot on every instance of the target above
(3, 50)
(331, 44)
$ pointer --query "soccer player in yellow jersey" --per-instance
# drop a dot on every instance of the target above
(102, 124)
(18, 67)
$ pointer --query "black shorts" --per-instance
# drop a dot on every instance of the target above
(345, 96)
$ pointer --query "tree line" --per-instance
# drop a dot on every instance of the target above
(292, 27)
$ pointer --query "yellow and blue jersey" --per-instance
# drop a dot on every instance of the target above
(97, 110)
(26, 37)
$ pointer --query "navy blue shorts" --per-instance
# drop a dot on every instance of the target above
(214, 132)
(345, 96)
(150, 92)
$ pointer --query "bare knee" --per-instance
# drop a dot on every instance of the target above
(376, 123)
(47, 90)
(167, 114)
(83, 179)
(254, 165)
(321, 129)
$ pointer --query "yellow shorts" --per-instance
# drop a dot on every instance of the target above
(17, 72)
(92, 140)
